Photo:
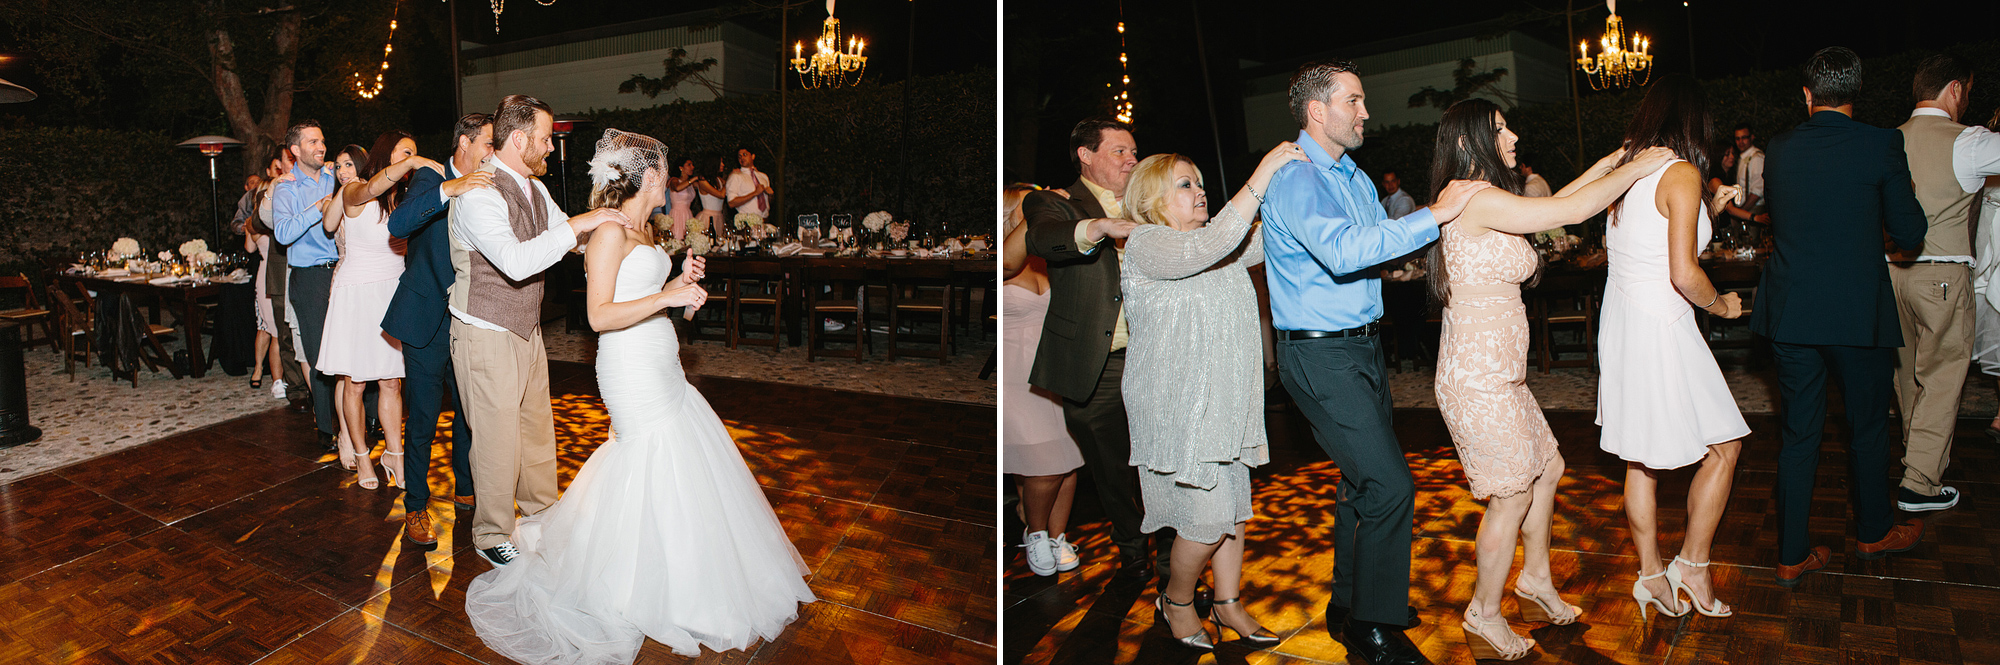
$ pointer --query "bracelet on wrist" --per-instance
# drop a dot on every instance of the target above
(1253, 193)
(1712, 301)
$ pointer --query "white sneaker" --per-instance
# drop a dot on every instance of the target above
(1066, 559)
(831, 325)
(278, 388)
(1041, 553)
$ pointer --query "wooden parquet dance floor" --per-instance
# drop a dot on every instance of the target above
(1939, 603)
(242, 543)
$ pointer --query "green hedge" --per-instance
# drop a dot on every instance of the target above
(71, 190)
(844, 149)
(1770, 101)
(74, 190)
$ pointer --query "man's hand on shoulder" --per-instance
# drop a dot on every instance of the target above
(1451, 202)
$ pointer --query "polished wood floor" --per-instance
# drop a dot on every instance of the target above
(242, 543)
(1937, 604)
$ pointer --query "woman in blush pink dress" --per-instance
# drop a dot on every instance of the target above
(1037, 447)
(1477, 268)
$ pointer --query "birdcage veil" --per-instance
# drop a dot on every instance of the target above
(626, 155)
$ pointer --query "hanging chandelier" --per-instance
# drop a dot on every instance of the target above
(501, 6)
(830, 64)
(1622, 61)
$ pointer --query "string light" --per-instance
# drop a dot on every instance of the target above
(1122, 102)
(361, 86)
(501, 6)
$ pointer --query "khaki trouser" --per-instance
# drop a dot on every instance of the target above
(503, 381)
(1934, 302)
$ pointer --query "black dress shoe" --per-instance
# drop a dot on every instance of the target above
(1337, 617)
(327, 441)
(1135, 569)
(300, 406)
(1381, 644)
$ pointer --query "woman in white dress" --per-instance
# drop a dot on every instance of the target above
(1038, 447)
(664, 533)
(1986, 307)
(1661, 398)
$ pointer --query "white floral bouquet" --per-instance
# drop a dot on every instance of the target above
(746, 221)
(192, 248)
(700, 243)
(898, 231)
(166, 255)
(125, 248)
(674, 245)
(876, 221)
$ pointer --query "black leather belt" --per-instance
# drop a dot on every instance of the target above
(1295, 335)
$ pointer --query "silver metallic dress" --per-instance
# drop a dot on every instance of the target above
(1194, 373)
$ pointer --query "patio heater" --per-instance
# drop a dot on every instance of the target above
(212, 147)
(14, 427)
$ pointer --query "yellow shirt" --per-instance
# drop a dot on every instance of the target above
(1114, 208)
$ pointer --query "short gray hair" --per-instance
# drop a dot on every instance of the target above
(1314, 81)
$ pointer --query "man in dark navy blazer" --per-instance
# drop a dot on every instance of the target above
(1834, 185)
(417, 317)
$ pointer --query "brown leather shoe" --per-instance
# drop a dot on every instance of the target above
(1901, 538)
(1788, 576)
(417, 529)
(463, 502)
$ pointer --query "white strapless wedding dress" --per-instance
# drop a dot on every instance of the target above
(664, 533)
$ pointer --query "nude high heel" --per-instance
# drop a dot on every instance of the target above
(1645, 596)
(1674, 578)
(1536, 610)
(1483, 648)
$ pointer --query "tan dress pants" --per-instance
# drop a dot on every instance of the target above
(503, 381)
(1934, 302)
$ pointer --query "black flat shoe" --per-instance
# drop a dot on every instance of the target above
(1381, 644)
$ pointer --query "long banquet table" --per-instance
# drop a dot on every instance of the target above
(972, 271)
(186, 294)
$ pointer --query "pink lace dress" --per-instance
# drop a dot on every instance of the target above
(1502, 439)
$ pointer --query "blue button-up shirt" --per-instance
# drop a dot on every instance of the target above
(1324, 233)
(297, 220)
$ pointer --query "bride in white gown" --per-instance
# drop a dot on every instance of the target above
(664, 533)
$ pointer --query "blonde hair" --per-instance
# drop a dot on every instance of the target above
(1146, 189)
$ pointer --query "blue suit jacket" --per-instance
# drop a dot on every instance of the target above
(417, 312)
(1835, 185)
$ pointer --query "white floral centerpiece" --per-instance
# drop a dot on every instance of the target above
(876, 221)
(124, 248)
(700, 243)
(673, 245)
(746, 221)
(190, 249)
(899, 231)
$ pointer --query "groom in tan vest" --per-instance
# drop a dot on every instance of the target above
(1949, 163)
(501, 241)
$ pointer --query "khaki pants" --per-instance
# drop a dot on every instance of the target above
(1934, 302)
(503, 381)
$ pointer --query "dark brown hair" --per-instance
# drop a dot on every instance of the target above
(1090, 134)
(378, 159)
(1834, 76)
(1936, 72)
(1313, 81)
(1674, 114)
(292, 133)
(516, 112)
(467, 128)
(1467, 148)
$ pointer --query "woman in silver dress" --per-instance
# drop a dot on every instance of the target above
(1194, 378)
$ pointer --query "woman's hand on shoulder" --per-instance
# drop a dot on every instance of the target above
(1651, 159)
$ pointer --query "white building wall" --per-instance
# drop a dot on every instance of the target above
(581, 85)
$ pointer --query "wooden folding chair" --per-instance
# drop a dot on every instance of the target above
(76, 324)
(30, 312)
(922, 287)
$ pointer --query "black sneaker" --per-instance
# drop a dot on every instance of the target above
(501, 554)
(1913, 502)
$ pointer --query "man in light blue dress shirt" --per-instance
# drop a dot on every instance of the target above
(297, 208)
(1325, 231)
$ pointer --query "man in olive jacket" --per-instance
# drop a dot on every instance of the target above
(1082, 352)
(1826, 303)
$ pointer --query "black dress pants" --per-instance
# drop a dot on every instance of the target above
(1105, 438)
(311, 289)
(1866, 375)
(1339, 384)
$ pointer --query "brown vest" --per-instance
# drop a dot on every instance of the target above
(1928, 139)
(490, 296)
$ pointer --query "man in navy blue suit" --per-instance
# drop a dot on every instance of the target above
(1835, 185)
(417, 317)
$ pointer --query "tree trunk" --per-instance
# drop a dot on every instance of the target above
(260, 138)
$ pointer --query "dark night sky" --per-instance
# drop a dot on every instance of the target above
(1729, 37)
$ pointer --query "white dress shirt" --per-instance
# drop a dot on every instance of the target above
(479, 222)
(1536, 186)
(741, 184)
(1750, 172)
